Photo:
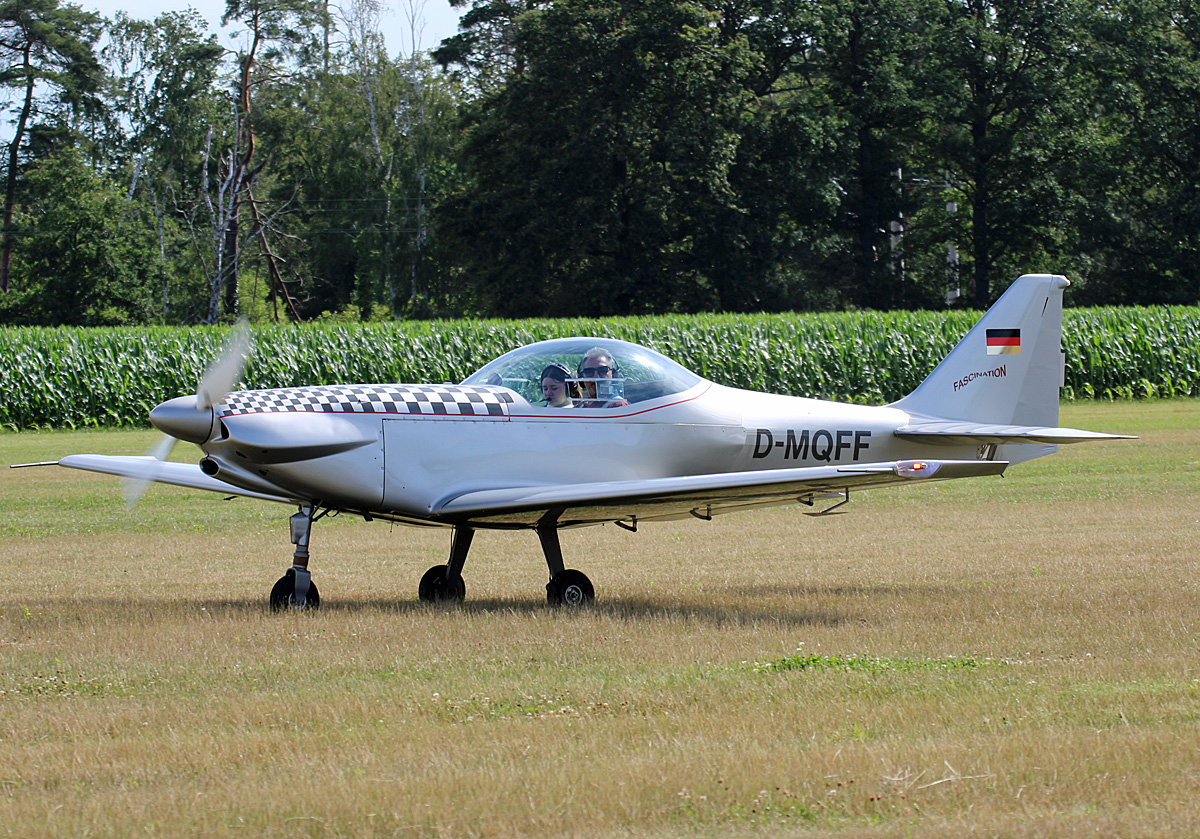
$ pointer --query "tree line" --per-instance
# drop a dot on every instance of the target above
(595, 157)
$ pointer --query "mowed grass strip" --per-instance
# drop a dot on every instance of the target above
(1014, 656)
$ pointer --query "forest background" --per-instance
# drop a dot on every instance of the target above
(596, 158)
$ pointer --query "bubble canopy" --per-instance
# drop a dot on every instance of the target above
(642, 374)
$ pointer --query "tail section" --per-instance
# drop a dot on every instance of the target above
(998, 389)
(1009, 367)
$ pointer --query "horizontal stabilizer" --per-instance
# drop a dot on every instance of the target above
(953, 433)
(146, 468)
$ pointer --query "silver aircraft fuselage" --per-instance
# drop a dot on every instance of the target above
(404, 450)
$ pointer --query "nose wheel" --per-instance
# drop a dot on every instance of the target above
(295, 590)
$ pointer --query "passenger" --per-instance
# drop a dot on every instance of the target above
(556, 390)
(598, 364)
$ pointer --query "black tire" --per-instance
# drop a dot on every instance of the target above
(570, 588)
(435, 588)
(282, 591)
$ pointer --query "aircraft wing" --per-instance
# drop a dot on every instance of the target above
(701, 496)
(146, 468)
(954, 432)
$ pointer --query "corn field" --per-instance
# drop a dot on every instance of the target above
(69, 377)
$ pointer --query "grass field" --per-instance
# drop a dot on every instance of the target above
(1000, 657)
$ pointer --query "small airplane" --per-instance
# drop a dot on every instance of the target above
(648, 441)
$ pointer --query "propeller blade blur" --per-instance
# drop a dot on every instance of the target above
(133, 489)
(223, 373)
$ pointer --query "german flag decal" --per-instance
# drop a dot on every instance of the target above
(1004, 342)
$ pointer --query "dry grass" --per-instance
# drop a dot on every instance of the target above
(1011, 657)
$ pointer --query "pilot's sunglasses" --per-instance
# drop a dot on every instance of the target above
(596, 371)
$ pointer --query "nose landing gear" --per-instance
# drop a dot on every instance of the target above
(295, 589)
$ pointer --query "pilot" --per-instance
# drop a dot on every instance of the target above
(598, 364)
(555, 388)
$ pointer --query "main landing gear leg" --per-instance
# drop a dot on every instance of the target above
(445, 582)
(295, 589)
(566, 587)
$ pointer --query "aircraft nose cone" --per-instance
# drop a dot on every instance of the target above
(181, 418)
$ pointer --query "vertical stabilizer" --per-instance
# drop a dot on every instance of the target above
(1009, 367)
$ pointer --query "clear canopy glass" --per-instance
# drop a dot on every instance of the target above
(638, 374)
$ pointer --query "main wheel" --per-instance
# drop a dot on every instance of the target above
(284, 590)
(435, 588)
(570, 588)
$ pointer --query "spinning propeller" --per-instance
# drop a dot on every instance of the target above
(191, 417)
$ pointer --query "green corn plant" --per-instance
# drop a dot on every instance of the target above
(69, 378)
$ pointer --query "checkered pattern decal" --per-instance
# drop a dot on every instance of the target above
(456, 400)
